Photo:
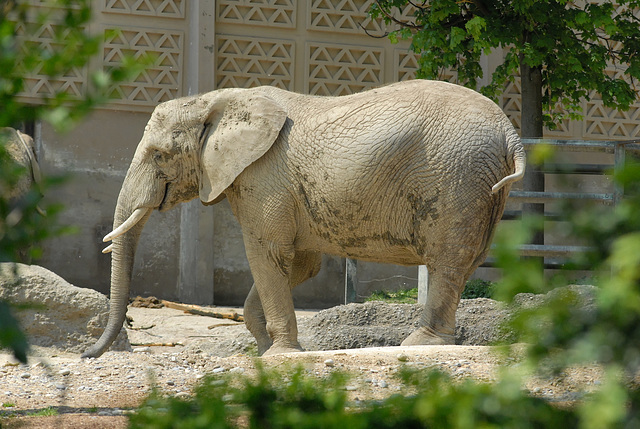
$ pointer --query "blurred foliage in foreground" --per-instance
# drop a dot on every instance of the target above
(559, 335)
(292, 398)
(22, 228)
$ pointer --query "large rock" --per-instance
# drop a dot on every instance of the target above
(54, 313)
(479, 322)
(353, 326)
(378, 324)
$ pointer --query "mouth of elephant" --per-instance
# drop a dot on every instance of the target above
(164, 204)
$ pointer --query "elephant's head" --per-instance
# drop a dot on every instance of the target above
(191, 147)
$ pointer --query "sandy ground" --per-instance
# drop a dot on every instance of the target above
(98, 393)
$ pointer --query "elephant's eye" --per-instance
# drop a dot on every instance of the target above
(157, 156)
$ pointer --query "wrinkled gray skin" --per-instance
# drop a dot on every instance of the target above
(400, 174)
(21, 149)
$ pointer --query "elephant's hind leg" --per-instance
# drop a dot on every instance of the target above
(255, 321)
(438, 321)
(305, 265)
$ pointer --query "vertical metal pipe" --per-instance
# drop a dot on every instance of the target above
(350, 280)
(619, 157)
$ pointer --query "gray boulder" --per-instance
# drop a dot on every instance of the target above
(479, 322)
(54, 313)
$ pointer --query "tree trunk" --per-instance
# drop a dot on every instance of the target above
(532, 127)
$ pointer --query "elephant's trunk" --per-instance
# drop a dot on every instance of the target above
(123, 252)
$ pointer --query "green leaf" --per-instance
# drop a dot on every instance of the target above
(476, 26)
(456, 37)
(11, 335)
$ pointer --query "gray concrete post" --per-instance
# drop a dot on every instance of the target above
(423, 284)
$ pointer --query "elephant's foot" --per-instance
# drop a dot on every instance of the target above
(426, 337)
(263, 346)
(278, 349)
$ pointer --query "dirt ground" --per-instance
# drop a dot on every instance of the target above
(173, 350)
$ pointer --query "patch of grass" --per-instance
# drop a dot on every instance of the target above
(45, 412)
(402, 296)
(252, 350)
(8, 405)
(476, 288)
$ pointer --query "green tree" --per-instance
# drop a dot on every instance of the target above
(563, 50)
(72, 47)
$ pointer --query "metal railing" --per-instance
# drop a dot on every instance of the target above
(617, 148)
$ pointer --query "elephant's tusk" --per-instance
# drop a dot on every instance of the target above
(135, 217)
(108, 249)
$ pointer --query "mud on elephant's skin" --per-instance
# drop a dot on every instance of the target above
(411, 173)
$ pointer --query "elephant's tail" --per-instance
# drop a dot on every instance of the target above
(520, 161)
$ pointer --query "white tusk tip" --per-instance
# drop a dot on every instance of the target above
(108, 249)
(135, 217)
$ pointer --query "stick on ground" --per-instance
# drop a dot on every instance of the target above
(203, 311)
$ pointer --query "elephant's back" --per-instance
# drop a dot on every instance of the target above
(371, 173)
(427, 93)
(409, 126)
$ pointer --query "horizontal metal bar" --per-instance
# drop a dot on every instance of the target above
(608, 146)
(557, 168)
(573, 145)
(548, 250)
(517, 215)
(548, 265)
(633, 148)
(543, 197)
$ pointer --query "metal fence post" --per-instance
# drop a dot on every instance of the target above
(350, 280)
(619, 157)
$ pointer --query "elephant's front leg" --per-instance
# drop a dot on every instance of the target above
(438, 321)
(271, 265)
(305, 265)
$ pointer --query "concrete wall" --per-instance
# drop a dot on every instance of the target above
(94, 157)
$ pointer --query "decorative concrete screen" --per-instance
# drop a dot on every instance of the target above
(132, 28)
(37, 85)
(316, 47)
(599, 123)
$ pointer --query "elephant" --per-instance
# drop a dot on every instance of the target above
(412, 173)
(21, 149)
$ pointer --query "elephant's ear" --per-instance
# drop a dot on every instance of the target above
(242, 127)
